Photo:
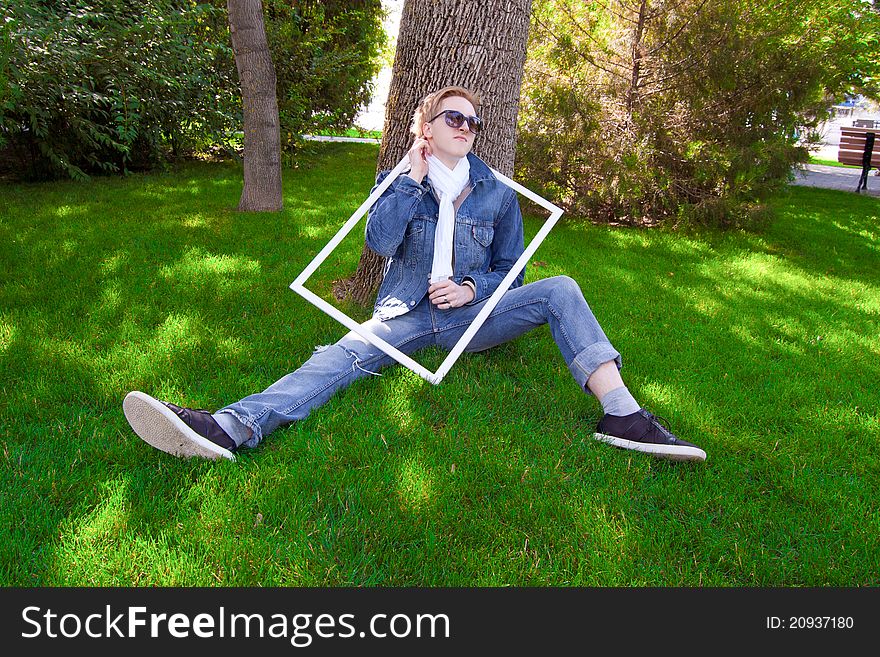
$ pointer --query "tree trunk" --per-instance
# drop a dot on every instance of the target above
(477, 45)
(262, 132)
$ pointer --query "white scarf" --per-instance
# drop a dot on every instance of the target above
(448, 184)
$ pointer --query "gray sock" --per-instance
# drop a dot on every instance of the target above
(236, 430)
(619, 402)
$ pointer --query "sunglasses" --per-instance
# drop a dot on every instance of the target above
(455, 119)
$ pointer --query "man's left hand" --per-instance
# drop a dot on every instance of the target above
(449, 294)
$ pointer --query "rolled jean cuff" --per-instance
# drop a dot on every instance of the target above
(250, 423)
(589, 360)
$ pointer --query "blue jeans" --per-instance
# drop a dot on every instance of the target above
(556, 301)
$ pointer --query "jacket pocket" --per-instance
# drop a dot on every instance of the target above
(479, 247)
(413, 241)
(483, 235)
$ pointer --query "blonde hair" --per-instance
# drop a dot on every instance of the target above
(427, 109)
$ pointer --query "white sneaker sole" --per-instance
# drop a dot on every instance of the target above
(157, 425)
(670, 452)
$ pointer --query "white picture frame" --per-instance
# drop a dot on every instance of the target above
(436, 377)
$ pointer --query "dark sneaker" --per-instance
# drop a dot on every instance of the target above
(178, 431)
(643, 432)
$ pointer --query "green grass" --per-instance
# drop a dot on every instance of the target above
(763, 348)
(352, 132)
(831, 163)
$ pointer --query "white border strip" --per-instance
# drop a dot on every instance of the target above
(298, 285)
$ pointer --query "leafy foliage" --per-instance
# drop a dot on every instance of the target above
(107, 86)
(326, 55)
(644, 110)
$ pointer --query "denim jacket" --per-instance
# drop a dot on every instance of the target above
(401, 224)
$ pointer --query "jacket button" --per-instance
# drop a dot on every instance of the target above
(412, 303)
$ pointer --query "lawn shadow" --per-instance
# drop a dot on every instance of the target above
(95, 303)
(395, 481)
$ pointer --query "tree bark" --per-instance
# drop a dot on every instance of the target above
(477, 45)
(262, 132)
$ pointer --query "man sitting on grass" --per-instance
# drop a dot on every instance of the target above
(451, 232)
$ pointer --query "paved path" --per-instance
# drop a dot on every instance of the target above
(814, 175)
(843, 178)
(353, 140)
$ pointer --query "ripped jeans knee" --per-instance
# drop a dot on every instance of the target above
(350, 355)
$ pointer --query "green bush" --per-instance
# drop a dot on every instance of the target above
(325, 55)
(100, 86)
(693, 112)
(107, 86)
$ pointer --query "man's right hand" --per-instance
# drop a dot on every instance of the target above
(418, 159)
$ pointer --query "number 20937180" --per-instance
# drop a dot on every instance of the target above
(810, 623)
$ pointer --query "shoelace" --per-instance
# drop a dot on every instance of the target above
(657, 424)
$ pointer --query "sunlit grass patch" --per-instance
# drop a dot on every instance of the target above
(761, 347)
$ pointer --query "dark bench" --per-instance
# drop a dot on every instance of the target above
(857, 147)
